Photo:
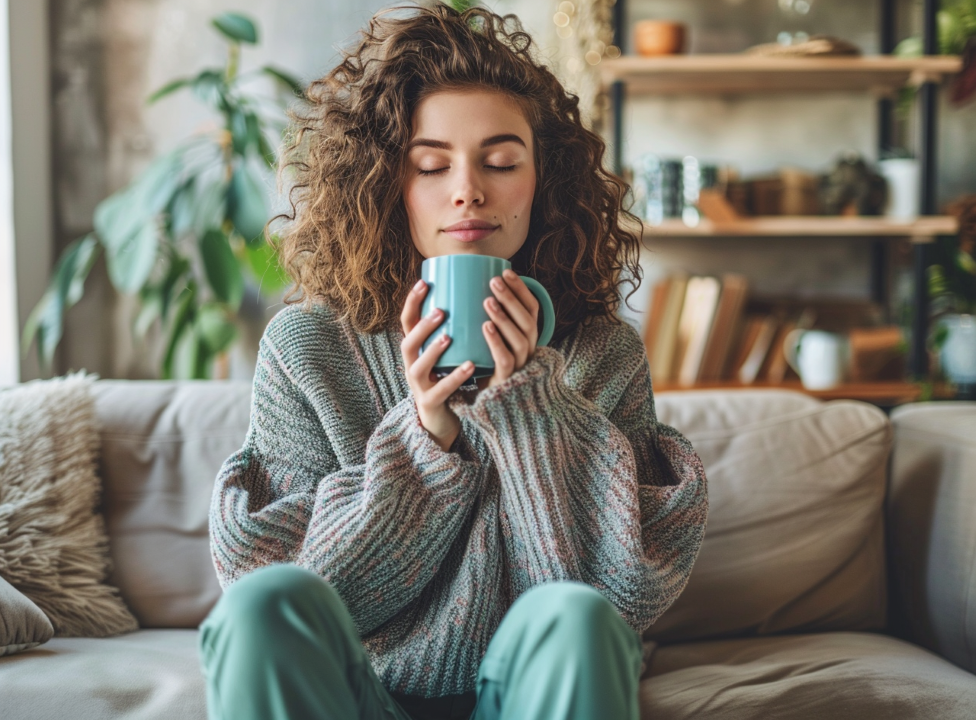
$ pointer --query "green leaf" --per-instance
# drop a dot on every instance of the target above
(262, 261)
(211, 88)
(187, 361)
(284, 78)
(150, 308)
(45, 323)
(211, 207)
(179, 267)
(236, 27)
(246, 204)
(131, 262)
(167, 89)
(127, 222)
(181, 209)
(185, 312)
(215, 329)
(221, 267)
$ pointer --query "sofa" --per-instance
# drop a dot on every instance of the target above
(837, 578)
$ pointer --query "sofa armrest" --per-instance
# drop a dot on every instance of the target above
(931, 509)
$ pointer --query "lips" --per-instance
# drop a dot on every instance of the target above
(471, 230)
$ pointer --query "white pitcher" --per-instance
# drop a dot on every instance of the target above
(820, 358)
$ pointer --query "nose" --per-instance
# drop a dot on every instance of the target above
(469, 190)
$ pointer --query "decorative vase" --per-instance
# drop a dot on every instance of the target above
(659, 37)
(959, 351)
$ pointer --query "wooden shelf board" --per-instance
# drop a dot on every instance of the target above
(716, 74)
(882, 393)
(924, 229)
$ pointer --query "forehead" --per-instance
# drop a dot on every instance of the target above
(459, 116)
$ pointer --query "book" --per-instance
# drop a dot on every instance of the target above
(652, 330)
(756, 354)
(701, 300)
(728, 316)
(662, 361)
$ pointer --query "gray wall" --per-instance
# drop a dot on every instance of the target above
(108, 55)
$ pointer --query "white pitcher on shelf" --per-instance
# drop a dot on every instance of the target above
(820, 358)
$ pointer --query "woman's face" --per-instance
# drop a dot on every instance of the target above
(470, 174)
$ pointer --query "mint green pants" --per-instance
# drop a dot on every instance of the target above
(281, 645)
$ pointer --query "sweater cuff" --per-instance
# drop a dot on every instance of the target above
(534, 388)
(402, 425)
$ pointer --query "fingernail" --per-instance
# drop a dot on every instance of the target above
(436, 314)
(467, 365)
(491, 328)
(497, 283)
(418, 286)
(509, 273)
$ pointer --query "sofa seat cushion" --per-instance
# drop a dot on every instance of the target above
(836, 675)
(144, 675)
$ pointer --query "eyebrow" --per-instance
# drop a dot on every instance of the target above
(488, 141)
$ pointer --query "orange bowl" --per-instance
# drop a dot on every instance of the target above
(659, 37)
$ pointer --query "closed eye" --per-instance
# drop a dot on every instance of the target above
(501, 168)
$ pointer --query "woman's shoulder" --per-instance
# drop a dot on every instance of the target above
(299, 331)
(612, 339)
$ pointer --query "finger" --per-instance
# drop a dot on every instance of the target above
(449, 383)
(414, 340)
(424, 366)
(512, 333)
(411, 308)
(503, 357)
(521, 309)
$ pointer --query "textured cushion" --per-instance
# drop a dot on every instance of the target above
(145, 675)
(838, 675)
(53, 545)
(794, 539)
(162, 445)
(22, 624)
(932, 526)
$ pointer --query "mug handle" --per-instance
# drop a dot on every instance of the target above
(790, 344)
(548, 311)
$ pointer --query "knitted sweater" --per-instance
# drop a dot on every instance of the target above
(561, 472)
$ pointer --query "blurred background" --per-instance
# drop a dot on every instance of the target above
(77, 129)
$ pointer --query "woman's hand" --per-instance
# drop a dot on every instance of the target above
(430, 394)
(513, 330)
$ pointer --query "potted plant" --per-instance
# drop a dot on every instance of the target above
(952, 288)
(187, 235)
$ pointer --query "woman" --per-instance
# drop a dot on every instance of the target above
(397, 545)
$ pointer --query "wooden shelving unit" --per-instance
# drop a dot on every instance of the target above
(736, 74)
(881, 76)
(922, 230)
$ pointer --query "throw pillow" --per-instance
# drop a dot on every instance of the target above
(22, 624)
(53, 543)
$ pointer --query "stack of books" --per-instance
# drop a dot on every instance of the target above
(700, 330)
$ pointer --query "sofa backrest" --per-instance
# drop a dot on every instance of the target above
(932, 527)
(794, 530)
(794, 541)
(162, 445)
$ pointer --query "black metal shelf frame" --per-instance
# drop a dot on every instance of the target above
(927, 156)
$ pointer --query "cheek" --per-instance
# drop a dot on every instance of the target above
(416, 203)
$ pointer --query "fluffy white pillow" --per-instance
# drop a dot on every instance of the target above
(53, 543)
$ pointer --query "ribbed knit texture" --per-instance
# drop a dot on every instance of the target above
(561, 473)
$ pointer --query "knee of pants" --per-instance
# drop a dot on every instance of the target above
(579, 608)
(257, 601)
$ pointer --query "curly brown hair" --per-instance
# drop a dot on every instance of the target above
(347, 242)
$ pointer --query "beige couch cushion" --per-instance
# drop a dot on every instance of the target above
(22, 624)
(145, 675)
(162, 445)
(932, 526)
(837, 676)
(794, 540)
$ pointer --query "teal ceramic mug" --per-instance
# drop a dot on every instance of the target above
(459, 285)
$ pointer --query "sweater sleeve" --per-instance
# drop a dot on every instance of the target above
(615, 500)
(377, 531)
